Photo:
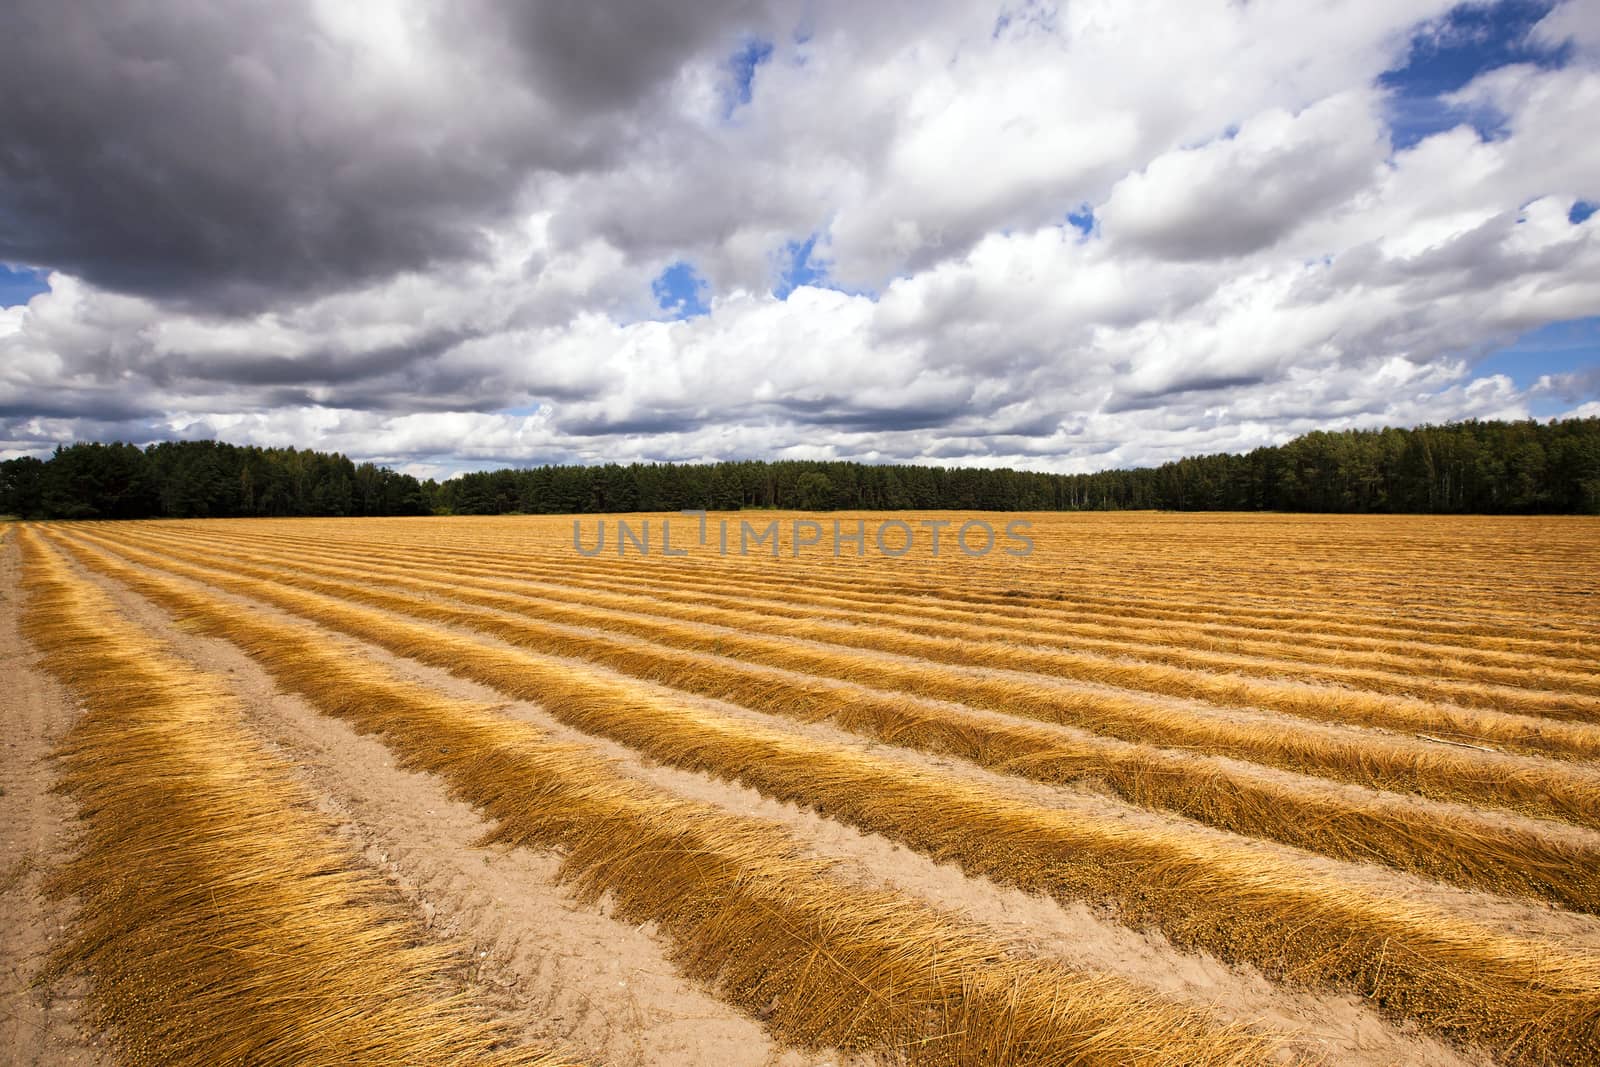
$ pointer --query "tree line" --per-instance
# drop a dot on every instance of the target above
(1467, 467)
(201, 479)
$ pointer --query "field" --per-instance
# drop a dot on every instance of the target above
(1213, 789)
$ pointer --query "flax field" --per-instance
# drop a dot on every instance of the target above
(1186, 789)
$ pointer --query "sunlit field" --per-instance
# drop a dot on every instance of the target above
(795, 788)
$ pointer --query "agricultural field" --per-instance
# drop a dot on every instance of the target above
(1119, 788)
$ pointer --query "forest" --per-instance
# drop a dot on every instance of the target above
(1523, 467)
(198, 479)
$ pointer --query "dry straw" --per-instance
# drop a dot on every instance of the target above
(218, 918)
(824, 962)
(1515, 683)
(1530, 1000)
(761, 638)
(1563, 694)
(1541, 788)
(1385, 653)
(1121, 589)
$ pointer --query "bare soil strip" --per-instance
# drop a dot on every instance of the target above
(555, 965)
(698, 663)
(1341, 1028)
(1216, 789)
(220, 918)
(1522, 685)
(40, 1024)
(1569, 730)
(1444, 599)
(1440, 975)
(773, 931)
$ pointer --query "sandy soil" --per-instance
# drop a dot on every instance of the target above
(38, 1026)
(564, 973)
(1341, 1029)
(1513, 916)
(550, 953)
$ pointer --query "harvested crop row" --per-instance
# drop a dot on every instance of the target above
(752, 637)
(219, 919)
(1459, 980)
(1516, 670)
(1512, 597)
(1535, 787)
(1396, 665)
(1304, 623)
(759, 638)
(1455, 845)
(824, 962)
(1528, 686)
(1108, 586)
(1564, 694)
(998, 646)
(1266, 576)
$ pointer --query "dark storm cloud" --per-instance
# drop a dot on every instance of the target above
(658, 423)
(62, 404)
(234, 154)
(879, 420)
(429, 229)
(322, 367)
(1146, 399)
(1044, 424)
(592, 57)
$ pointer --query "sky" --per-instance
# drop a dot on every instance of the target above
(465, 234)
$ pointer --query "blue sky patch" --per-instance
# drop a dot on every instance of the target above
(1448, 53)
(681, 291)
(742, 67)
(1554, 349)
(18, 284)
(797, 269)
(1082, 219)
(1581, 210)
(1415, 119)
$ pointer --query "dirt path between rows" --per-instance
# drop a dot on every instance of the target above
(564, 973)
(39, 1027)
(1341, 1028)
(501, 900)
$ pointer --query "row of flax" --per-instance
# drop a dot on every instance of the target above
(1333, 606)
(825, 961)
(1386, 660)
(1507, 682)
(1527, 998)
(1500, 714)
(217, 917)
(937, 671)
(1456, 844)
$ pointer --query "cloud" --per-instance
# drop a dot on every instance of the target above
(444, 235)
(600, 56)
(1572, 22)
(1242, 193)
(240, 153)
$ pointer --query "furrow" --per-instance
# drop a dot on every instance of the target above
(758, 637)
(1447, 843)
(219, 919)
(1069, 604)
(1529, 684)
(826, 963)
(1526, 998)
(1537, 787)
